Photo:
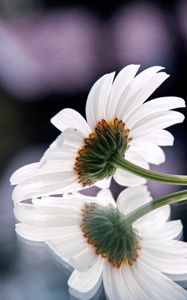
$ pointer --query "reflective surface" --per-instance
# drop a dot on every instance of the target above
(51, 52)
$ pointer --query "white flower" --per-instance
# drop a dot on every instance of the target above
(118, 123)
(139, 263)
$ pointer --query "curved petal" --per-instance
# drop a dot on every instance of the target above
(68, 243)
(85, 259)
(132, 198)
(85, 285)
(133, 284)
(143, 94)
(161, 121)
(65, 148)
(70, 118)
(165, 248)
(30, 172)
(47, 185)
(167, 231)
(109, 286)
(73, 137)
(37, 234)
(176, 268)
(97, 99)
(153, 219)
(119, 88)
(126, 178)
(152, 107)
(160, 137)
(76, 200)
(19, 175)
(118, 282)
(105, 197)
(150, 152)
(104, 184)
(141, 84)
(51, 176)
(155, 284)
(48, 216)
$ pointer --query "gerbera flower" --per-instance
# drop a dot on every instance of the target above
(141, 262)
(119, 124)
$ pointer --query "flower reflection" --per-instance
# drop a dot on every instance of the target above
(43, 262)
(91, 233)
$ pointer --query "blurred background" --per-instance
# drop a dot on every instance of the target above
(51, 52)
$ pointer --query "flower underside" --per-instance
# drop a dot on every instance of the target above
(106, 230)
(93, 162)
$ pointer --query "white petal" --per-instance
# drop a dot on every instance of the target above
(169, 230)
(153, 219)
(121, 82)
(147, 89)
(154, 117)
(105, 197)
(47, 216)
(140, 89)
(69, 243)
(73, 137)
(118, 282)
(62, 154)
(152, 107)
(70, 118)
(46, 185)
(165, 248)
(35, 233)
(97, 99)
(76, 200)
(110, 288)
(85, 285)
(150, 152)
(162, 121)
(143, 77)
(85, 259)
(104, 184)
(22, 173)
(161, 137)
(126, 178)
(135, 87)
(157, 285)
(32, 171)
(176, 268)
(136, 291)
(132, 198)
(64, 148)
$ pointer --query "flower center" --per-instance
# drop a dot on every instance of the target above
(106, 230)
(93, 161)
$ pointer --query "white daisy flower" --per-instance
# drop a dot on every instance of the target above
(141, 262)
(119, 124)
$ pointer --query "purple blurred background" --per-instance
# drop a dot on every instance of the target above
(51, 52)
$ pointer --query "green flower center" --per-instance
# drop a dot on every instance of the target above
(93, 161)
(106, 230)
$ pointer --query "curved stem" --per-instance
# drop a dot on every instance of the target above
(148, 207)
(119, 162)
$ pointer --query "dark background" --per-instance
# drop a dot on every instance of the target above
(51, 52)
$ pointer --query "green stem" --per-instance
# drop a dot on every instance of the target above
(148, 207)
(119, 162)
